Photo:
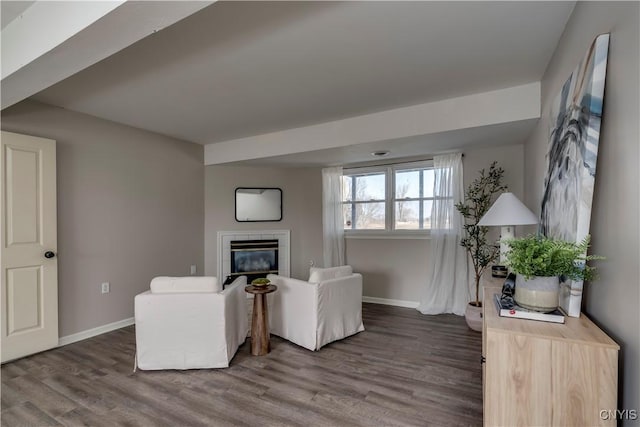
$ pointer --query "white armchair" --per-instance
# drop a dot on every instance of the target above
(190, 323)
(312, 314)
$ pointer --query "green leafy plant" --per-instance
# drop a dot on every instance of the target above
(260, 281)
(545, 257)
(478, 199)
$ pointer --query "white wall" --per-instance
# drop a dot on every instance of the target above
(612, 302)
(130, 207)
(301, 211)
(397, 268)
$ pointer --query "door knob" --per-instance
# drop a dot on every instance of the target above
(49, 254)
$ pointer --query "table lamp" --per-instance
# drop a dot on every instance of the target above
(507, 212)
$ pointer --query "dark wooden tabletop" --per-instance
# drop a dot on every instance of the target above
(256, 290)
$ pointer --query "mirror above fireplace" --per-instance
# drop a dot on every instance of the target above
(258, 204)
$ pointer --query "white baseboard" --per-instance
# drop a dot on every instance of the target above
(89, 333)
(395, 302)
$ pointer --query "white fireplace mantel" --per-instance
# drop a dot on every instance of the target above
(224, 248)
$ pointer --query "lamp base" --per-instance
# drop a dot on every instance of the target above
(507, 232)
(499, 271)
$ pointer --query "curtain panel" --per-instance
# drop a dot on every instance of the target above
(332, 221)
(446, 289)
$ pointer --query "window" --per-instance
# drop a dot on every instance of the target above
(364, 201)
(413, 198)
(388, 198)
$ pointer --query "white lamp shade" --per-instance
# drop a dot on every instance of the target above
(508, 210)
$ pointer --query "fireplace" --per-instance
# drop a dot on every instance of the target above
(225, 237)
(254, 258)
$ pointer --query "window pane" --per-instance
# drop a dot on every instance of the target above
(428, 178)
(407, 184)
(370, 187)
(426, 206)
(346, 214)
(346, 187)
(407, 215)
(369, 216)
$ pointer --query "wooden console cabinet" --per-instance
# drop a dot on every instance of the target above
(546, 374)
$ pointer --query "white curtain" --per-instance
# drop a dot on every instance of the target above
(446, 289)
(332, 221)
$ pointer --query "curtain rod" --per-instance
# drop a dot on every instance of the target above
(373, 165)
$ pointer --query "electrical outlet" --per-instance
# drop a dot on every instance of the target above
(193, 270)
(106, 288)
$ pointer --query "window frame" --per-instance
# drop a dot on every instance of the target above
(389, 171)
(374, 170)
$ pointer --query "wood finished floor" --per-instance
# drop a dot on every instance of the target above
(406, 369)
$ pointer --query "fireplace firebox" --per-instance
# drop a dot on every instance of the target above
(254, 258)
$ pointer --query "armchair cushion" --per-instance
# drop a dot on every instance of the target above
(165, 285)
(317, 275)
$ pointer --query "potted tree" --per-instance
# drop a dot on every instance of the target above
(479, 197)
(540, 263)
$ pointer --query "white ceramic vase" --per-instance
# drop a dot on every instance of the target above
(473, 316)
(538, 293)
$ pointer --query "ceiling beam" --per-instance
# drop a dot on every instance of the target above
(482, 109)
(51, 41)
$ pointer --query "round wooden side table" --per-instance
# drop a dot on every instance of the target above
(260, 344)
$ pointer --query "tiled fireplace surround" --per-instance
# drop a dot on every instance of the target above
(224, 248)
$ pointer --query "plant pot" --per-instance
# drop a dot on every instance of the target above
(473, 316)
(538, 293)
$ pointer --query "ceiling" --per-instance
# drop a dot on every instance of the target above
(12, 9)
(237, 69)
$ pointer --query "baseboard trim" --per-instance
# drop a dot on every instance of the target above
(90, 333)
(394, 302)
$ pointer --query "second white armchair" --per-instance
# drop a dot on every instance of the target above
(312, 314)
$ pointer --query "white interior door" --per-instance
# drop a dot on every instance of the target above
(29, 320)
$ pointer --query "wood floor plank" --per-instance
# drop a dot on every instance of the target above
(27, 414)
(405, 369)
(82, 392)
(85, 417)
(12, 370)
(10, 396)
(46, 399)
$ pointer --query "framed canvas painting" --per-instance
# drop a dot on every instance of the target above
(576, 115)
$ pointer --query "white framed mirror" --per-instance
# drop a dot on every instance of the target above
(258, 204)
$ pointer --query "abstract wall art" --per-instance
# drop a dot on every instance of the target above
(576, 115)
